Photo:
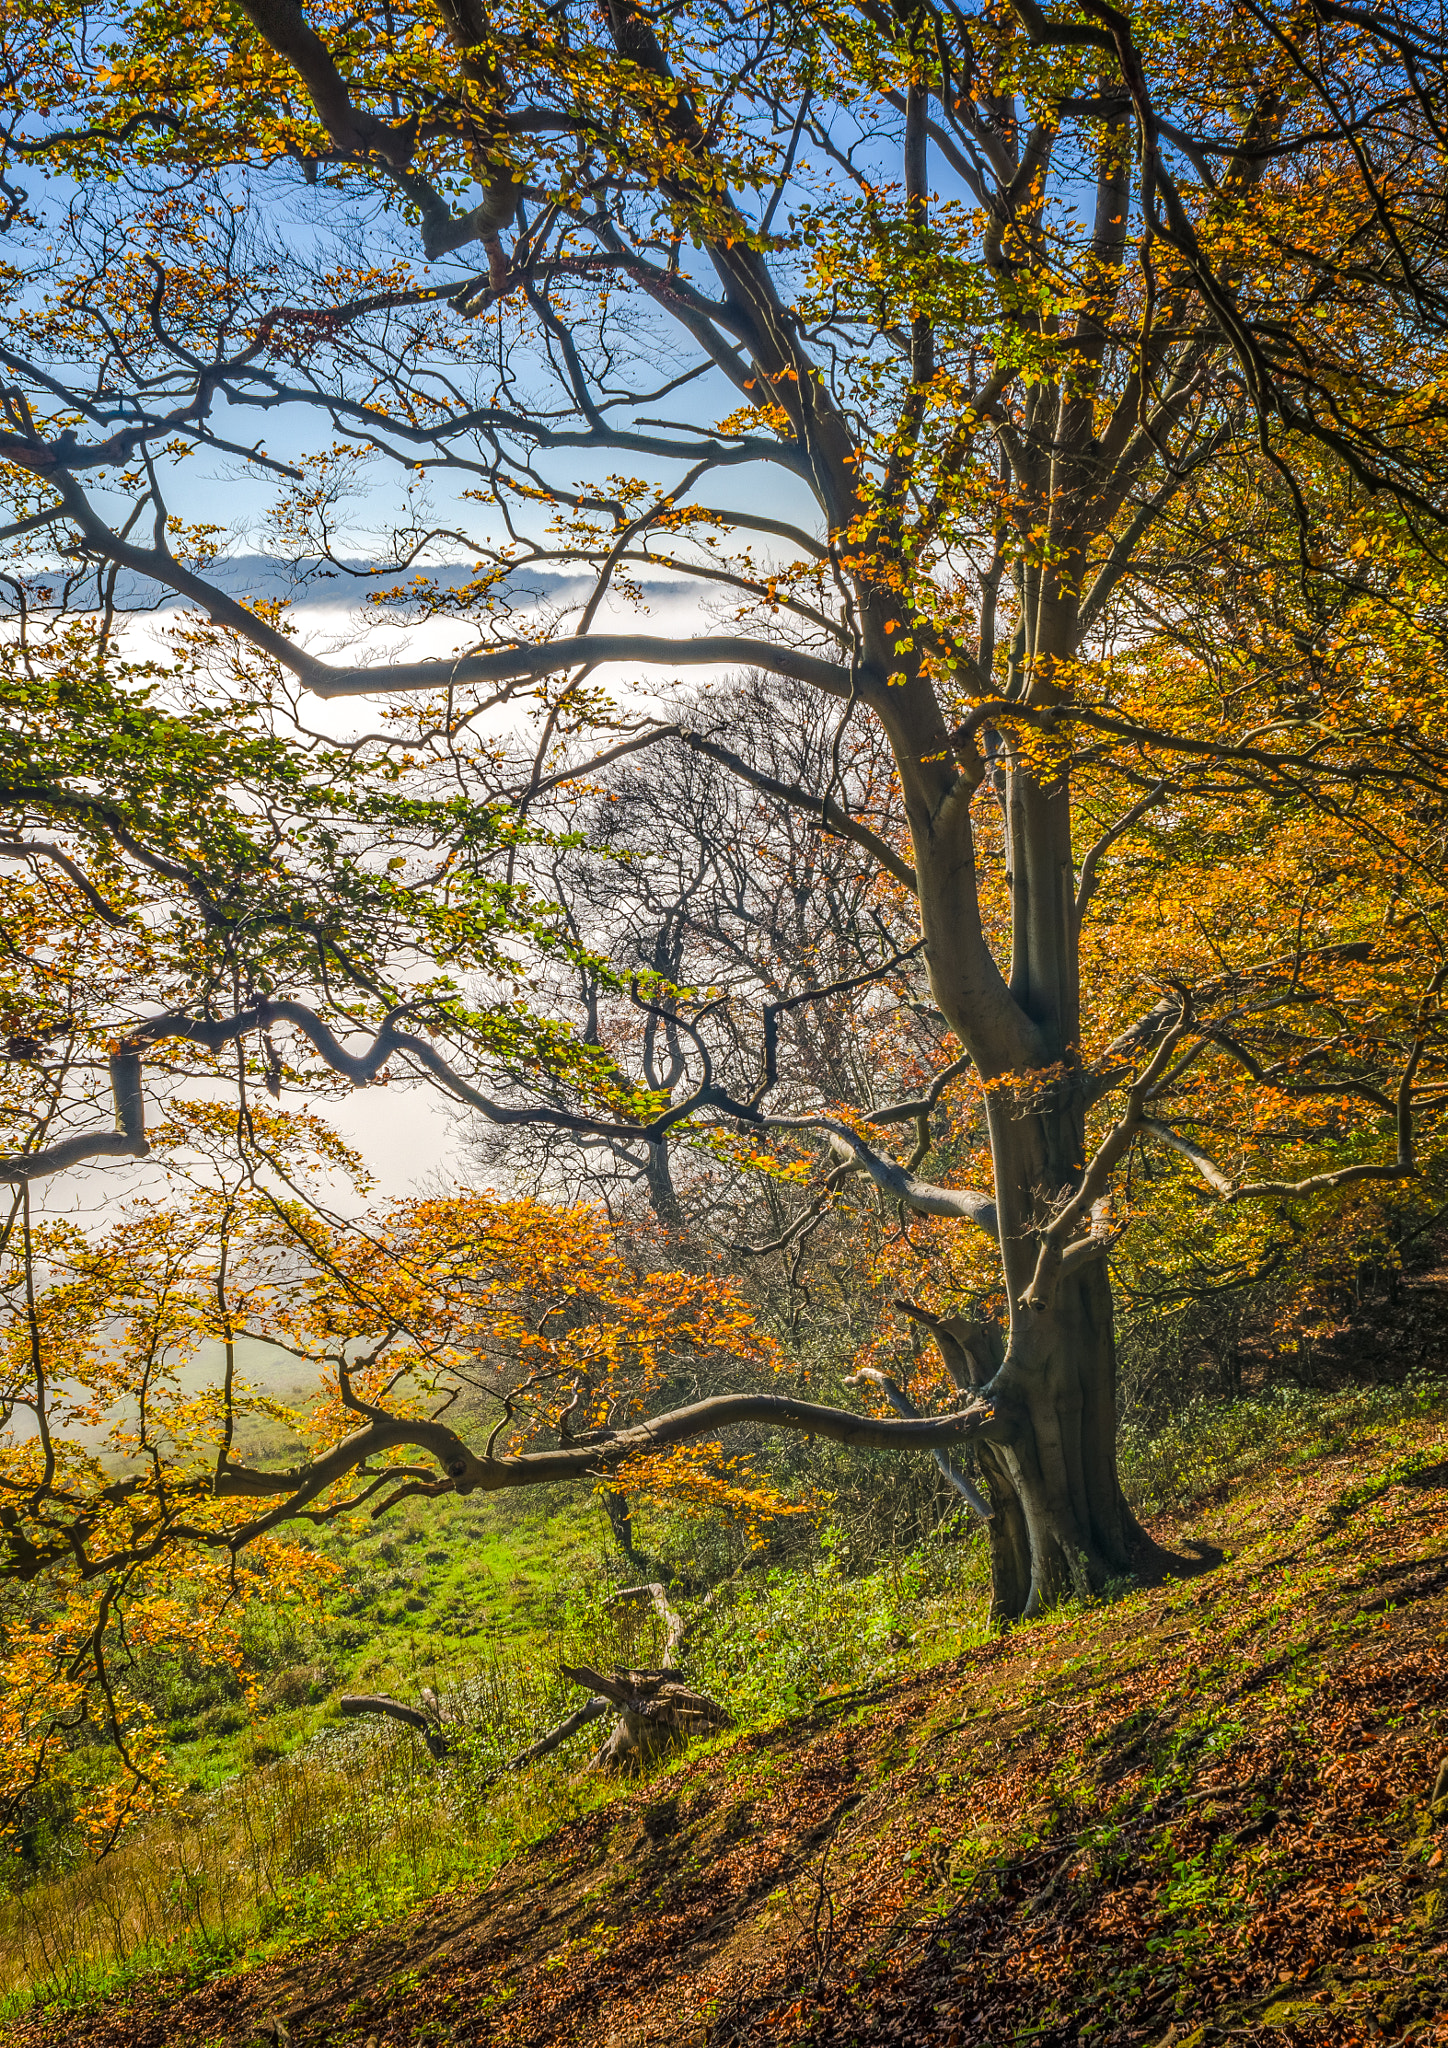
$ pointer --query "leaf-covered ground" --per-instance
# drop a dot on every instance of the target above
(1198, 1813)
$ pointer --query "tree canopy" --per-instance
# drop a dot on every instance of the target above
(1038, 415)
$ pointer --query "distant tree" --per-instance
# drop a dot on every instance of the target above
(676, 868)
(995, 296)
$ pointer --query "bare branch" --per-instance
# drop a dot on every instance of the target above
(1092, 861)
(921, 1105)
(361, 1068)
(591, 1710)
(924, 1197)
(1211, 1173)
(822, 808)
(844, 986)
(411, 1717)
(1403, 1167)
(606, 759)
(127, 1141)
(902, 1404)
(523, 661)
(672, 1623)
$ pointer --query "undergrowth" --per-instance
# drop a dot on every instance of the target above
(359, 1823)
(1209, 1446)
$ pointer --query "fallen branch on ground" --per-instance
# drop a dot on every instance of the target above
(657, 1710)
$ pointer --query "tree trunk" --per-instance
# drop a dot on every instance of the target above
(620, 1521)
(663, 1196)
(1060, 1525)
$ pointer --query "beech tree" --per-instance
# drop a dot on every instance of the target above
(911, 330)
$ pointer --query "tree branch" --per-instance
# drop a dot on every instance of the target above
(844, 986)
(470, 1473)
(24, 1166)
(126, 1141)
(672, 1623)
(411, 1717)
(1057, 1252)
(591, 1710)
(30, 849)
(921, 1105)
(902, 1404)
(1108, 839)
(522, 662)
(823, 809)
(924, 1197)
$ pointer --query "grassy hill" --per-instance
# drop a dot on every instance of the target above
(1197, 1812)
(437, 1594)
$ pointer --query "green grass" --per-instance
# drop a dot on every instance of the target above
(354, 1822)
(294, 1826)
(433, 1591)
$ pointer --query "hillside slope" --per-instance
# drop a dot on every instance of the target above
(1197, 1813)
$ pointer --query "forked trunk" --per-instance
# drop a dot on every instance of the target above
(1060, 1524)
